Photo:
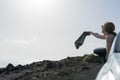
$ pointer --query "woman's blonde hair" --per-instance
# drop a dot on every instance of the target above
(109, 28)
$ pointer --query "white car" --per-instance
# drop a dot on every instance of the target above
(111, 69)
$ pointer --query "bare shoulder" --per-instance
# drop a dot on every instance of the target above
(110, 36)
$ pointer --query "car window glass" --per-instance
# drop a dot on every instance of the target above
(117, 44)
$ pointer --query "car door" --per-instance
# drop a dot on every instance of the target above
(111, 69)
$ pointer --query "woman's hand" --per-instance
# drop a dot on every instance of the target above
(87, 33)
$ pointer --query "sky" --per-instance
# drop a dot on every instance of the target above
(36, 30)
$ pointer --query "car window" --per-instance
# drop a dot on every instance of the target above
(117, 44)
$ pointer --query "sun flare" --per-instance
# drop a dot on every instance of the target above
(41, 4)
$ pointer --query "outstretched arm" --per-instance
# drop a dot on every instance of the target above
(98, 35)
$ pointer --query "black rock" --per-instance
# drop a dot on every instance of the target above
(19, 67)
(2, 70)
(9, 67)
(47, 64)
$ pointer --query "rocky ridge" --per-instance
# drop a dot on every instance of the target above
(70, 68)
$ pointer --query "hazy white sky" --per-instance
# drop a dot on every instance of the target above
(35, 30)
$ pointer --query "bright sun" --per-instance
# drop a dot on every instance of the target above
(41, 4)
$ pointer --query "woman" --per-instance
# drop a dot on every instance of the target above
(108, 34)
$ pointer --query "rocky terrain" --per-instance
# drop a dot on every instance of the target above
(70, 68)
